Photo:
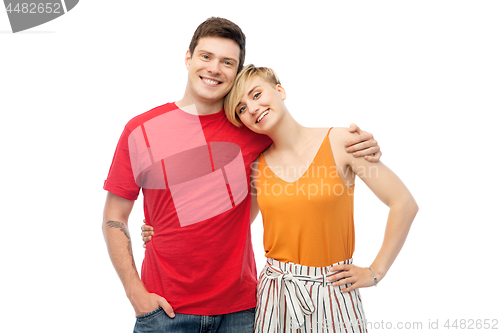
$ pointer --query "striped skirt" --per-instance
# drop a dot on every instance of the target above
(296, 298)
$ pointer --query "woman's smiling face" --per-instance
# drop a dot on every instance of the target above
(261, 106)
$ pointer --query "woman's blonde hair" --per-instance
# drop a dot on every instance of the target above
(234, 97)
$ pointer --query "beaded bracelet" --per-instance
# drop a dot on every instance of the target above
(374, 277)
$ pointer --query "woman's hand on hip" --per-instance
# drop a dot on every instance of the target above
(360, 277)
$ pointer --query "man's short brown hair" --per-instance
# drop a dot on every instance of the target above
(220, 27)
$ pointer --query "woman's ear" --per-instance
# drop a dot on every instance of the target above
(282, 91)
(187, 59)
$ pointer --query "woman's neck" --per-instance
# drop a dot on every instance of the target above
(288, 134)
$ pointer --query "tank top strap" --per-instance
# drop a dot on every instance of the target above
(326, 143)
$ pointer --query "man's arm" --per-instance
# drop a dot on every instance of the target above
(115, 229)
(363, 145)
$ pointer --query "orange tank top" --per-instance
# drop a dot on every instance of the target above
(309, 221)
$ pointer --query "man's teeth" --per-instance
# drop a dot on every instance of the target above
(212, 82)
(262, 116)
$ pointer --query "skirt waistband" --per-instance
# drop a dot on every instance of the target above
(301, 271)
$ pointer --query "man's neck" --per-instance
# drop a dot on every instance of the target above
(200, 108)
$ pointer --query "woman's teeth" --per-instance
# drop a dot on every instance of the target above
(262, 116)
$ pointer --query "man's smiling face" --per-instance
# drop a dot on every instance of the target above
(212, 68)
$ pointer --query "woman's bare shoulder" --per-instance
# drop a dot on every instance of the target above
(340, 135)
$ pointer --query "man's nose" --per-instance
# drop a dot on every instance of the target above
(214, 68)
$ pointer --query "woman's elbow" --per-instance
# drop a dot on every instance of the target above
(406, 204)
(412, 207)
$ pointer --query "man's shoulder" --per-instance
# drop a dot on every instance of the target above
(148, 115)
(261, 140)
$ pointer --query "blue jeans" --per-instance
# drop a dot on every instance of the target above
(158, 322)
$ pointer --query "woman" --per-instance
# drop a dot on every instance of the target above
(303, 184)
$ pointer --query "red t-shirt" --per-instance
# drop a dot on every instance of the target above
(194, 173)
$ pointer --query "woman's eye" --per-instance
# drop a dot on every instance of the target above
(257, 95)
(242, 109)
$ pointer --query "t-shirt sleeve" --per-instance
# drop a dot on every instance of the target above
(121, 179)
(263, 143)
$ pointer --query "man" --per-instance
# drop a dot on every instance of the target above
(193, 167)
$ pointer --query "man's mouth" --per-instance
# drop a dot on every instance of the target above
(262, 115)
(210, 82)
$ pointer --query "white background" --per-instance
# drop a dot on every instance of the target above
(423, 76)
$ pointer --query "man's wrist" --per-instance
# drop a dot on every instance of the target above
(136, 290)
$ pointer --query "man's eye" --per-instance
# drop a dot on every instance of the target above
(257, 95)
(204, 56)
(228, 63)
